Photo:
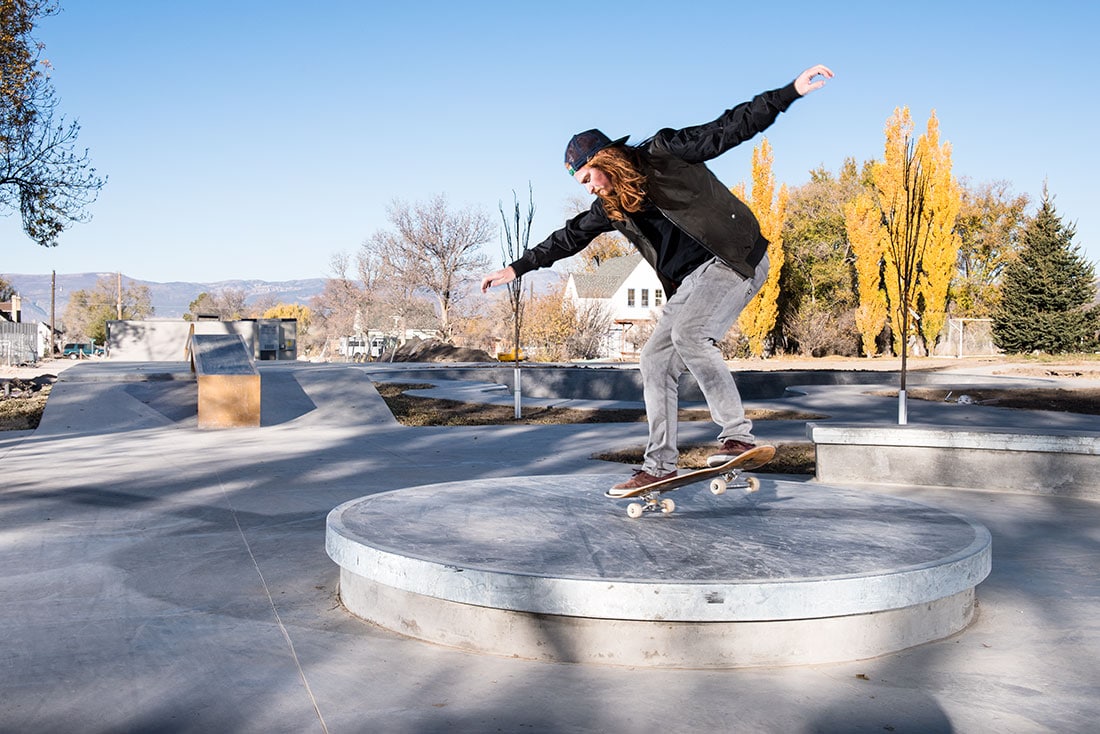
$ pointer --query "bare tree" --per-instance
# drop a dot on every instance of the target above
(227, 305)
(514, 244)
(336, 309)
(390, 299)
(589, 333)
(434, 249)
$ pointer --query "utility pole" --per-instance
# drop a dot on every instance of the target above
(53, 313)
(118, 303)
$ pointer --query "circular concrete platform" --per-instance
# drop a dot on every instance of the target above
(548, 568)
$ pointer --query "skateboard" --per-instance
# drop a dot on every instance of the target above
(721, 477)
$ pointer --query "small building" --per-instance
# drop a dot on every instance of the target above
(628, 289)
(165, 340)
(21, 342)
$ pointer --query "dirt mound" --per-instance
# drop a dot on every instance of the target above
(434, 350)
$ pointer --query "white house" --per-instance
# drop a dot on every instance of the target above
(628, 289)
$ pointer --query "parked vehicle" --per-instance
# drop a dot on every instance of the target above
(76, 350)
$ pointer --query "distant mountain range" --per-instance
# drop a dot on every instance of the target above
(173, 300)
(170, 300)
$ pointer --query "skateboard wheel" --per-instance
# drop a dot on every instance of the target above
(634, 510)
(667, 506)
(717, 485)
(752, 484)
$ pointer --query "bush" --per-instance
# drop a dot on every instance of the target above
(820, 332)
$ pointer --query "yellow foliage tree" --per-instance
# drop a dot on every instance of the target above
(941, 252)
(902, 233)
(919, 201)
(867, 236)
(916, 201)
(291, 311)
(757, 320)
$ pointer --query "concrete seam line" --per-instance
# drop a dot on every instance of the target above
(271, 603)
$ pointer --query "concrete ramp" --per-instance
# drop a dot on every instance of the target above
(547, 568)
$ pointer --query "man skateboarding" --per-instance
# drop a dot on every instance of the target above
(704, 244)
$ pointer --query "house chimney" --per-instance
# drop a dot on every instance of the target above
(16, 308)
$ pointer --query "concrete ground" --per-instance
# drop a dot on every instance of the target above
(157, 578)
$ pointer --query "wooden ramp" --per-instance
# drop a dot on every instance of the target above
(229, 384)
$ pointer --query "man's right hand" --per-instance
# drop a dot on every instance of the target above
(500, 277)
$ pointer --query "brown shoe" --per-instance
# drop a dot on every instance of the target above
(729, 451)
(640, 479)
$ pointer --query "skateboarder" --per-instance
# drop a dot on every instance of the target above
(703, 242)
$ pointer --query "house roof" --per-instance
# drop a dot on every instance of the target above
(608, 277)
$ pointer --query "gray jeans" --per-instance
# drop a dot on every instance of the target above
(692, 322)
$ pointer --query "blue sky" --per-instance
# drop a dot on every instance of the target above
(255, 139)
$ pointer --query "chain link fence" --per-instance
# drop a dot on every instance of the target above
(18, 344)
(967, 338)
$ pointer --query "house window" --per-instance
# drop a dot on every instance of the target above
(645, 298)
(630, 297)
(658, 297)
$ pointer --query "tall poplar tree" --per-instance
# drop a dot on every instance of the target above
(757, 320)
(902, 226)
(1048, 291)
(941, 250)
(910, 209)
(868, 238)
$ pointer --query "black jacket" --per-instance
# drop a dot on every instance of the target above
(685, 190)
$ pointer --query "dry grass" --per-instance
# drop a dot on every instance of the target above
(793, 458)
(22, 410)
(1079, 400)
(420, 411)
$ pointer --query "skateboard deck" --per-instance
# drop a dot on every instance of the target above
(721, 478)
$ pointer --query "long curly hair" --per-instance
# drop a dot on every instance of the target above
(628, 183)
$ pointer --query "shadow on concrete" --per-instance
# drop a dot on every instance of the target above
(149, 576)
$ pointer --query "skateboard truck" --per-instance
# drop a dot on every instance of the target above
(651, 501)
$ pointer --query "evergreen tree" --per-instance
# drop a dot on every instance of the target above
(1047, 292)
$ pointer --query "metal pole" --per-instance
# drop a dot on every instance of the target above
(517, 392)
(53, 312)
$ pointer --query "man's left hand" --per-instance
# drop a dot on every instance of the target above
(813, 78)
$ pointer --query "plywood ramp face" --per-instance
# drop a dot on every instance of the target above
(229, 401)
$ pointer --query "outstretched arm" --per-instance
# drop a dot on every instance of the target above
(700, 143)
(811, 79)
(569, 240)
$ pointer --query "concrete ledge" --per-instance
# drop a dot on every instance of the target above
(655, 643)
(1040, 462)
(229, 384)
(547, 568)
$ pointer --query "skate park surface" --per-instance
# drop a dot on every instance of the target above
(162, 578)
